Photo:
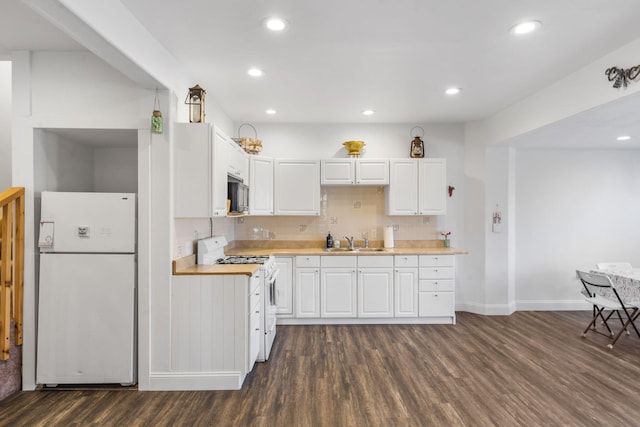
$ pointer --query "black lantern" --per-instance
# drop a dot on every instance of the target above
(417, 145)
(195, 101)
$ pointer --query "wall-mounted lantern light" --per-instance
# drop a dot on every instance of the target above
(195, 101)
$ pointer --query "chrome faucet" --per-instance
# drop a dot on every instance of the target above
(351, 243)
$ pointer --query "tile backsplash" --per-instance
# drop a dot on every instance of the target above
(344, 211)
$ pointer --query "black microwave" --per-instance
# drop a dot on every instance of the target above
(238, 195)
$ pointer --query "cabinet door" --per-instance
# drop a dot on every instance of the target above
(375, 292)
(261, 186)
(284, 285)
(307, 292)
(406, 292)
(192, 170)
(219, 173)
(432, 187)
(337, 172)
(402, 192)
(338, 292)
(297, 187)
(238, 162)
(372, 172)
(436, 304)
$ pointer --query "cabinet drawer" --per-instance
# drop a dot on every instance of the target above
(254, 301)
(375, 261)
(339, 261)
(431, 285)
(435, 304)
(406, 260)
(437, 260)
(436, 273)
(308, 261)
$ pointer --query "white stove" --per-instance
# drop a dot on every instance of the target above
(211, 251)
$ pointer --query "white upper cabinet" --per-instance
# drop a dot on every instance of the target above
(416, 187)
(238, 161)
(260, 185)
(200, 177)
(297, 187)
(402, 192)
(221, 150)
(372, 172)
(354, 172)
(432, 186)
(338, 172)
(192, 170)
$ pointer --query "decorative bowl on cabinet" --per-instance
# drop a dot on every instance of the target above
(354, 147)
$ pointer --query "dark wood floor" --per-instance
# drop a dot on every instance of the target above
(527, 369)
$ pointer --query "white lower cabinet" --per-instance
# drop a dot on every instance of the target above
(406, 285)
(375, 286)
(436, 286)
(398, 288)
(284, 286)
(338, 291)
(307, 286)
(214, 331)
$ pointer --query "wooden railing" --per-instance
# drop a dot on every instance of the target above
(11, 267)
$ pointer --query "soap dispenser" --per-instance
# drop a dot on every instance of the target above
(329, 240)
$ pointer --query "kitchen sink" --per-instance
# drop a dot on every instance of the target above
(354, 250)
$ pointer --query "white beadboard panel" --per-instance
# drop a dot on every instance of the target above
(209, 323)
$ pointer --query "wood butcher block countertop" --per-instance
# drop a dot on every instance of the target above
(342, 252)
(187, 265)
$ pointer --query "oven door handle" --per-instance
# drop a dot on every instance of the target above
(273, 296)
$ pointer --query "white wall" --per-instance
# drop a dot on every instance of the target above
(5, 125)
(61, 164)
(78, 90)
(574, 208)
(115, 169)
(580, 91)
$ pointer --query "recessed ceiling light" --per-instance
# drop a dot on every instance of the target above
(255, 72)
(368, 112)
(275, 24)
(270, 111)
(623, 138)
(526, 27)
(452, 91)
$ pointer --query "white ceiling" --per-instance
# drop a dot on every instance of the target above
(396, 57)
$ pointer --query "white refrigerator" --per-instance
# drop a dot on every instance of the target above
(87, 289)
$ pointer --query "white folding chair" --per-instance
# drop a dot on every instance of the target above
(601, 292)
(615, 266)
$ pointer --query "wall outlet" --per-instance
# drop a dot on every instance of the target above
(357, 204)
(373, 233)
(426, 220)
(396, 227)
(240, 220)
(334, 220)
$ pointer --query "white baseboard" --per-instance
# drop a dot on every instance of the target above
(194, 381)
(366, 321)
(523, 305)
(550, 305)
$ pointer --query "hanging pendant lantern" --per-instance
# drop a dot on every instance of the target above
(156, 117)
(417, 145)
(195, 101)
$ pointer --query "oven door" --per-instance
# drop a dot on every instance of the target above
(270, 309)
